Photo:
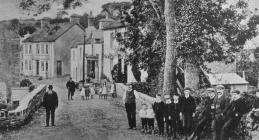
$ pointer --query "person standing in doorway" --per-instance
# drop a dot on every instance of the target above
(71, 86)
(50, 102)
(129, 98)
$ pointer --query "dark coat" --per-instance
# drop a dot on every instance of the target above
(188, 105)
(159, 109)
(176, 109)
(71, 86)
(235, 107)
(50, 100)
(256, 103)
(168, 111)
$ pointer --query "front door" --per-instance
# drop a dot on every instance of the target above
(37, 67)
(59, 68)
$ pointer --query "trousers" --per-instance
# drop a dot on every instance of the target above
(50, 112)
(229, 126)
(160, 123)
(131, 114)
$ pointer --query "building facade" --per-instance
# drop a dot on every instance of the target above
(47, 54)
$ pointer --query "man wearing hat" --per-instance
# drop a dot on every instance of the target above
(208, 110)
(187, 111)
(222, 101)
(129, 98)
(50, 102)
(233, 114)
(71, 86)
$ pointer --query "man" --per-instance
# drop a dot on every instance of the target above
(255, 111)
(233, 114)
(208, 110)
(50, 102)
(129, 98)
(159, 109)
(71, 86)
(187, 111)
(222, 101)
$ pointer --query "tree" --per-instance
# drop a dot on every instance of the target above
(37, 7)
(170, 56)
(84, 20)
(206, 31)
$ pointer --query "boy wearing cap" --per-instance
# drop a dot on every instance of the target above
(176, 104)
(187, 111)
(233, 114)
(168, 115)
(50, 102)
(159, 113)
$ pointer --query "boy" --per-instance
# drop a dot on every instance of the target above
(176, 109)
(150, 118)
(255, 111)
(168, 115)
(143, 117)
(159, 113)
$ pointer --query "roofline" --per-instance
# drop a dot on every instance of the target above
(53, 40)
(117, 27)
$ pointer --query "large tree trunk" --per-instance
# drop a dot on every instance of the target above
(170, 60)
(191, 76)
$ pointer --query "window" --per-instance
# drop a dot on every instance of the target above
(74, 55)
(81, 52)
(42, 48)
(47, 49)
(47, 66)
(97, 40)
(30, 47)
(26, 64)
(26, 49)
(38, 49)
(42, 66)
(30, 65)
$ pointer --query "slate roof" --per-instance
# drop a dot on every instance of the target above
(114, 25)
(226, 79)
(52, 34)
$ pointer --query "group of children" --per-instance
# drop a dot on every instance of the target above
(167, 113)
(87, 92)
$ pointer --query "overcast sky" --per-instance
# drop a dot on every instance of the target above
(9, 9)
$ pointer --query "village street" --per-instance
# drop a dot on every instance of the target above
(87, 120)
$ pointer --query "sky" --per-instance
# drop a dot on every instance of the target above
(9, 9)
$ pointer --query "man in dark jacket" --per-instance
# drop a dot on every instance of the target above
(168, 115)
(159, 113)
(233, 114)
(50, 102)
(129, 98)
(222, 101)
(71, 86)
(176, 104)
(187, 111)
(208, 111)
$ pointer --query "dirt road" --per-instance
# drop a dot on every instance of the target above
(94, 119)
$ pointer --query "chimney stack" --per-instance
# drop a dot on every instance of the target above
(75, 19)
(91, 20)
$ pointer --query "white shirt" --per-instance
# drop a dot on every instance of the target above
(92, 92)
(150, 113)
(82, 92)
(142, 113)
(112, 88)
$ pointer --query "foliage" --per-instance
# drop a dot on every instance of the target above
(144, 87)
(206, 31)
(31, 88)
(26, 29)
(37, 7)
(84, 20)
(19, 28)
(59, 20)
(25, 83)
(115, 9)
(117, 75)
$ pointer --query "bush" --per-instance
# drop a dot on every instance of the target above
(40, 78)
(145, 88)
(31, 88)
(25, 83)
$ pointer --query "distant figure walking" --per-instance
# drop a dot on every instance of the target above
(71, 86)
(50, 102)
(104, 90)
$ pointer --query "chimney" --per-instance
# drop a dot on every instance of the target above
(103, 23)
(75, 18)
(91, 20)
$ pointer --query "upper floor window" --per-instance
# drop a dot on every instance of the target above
(30, 65)
(30, 49)
(26, 65)
(25, 49)
(37, 48)
(74, 55)
(42, 48)
(47, 49)
(81, 52)
(47, 66)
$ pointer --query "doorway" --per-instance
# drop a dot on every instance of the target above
(37, 67)
(59, 68)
